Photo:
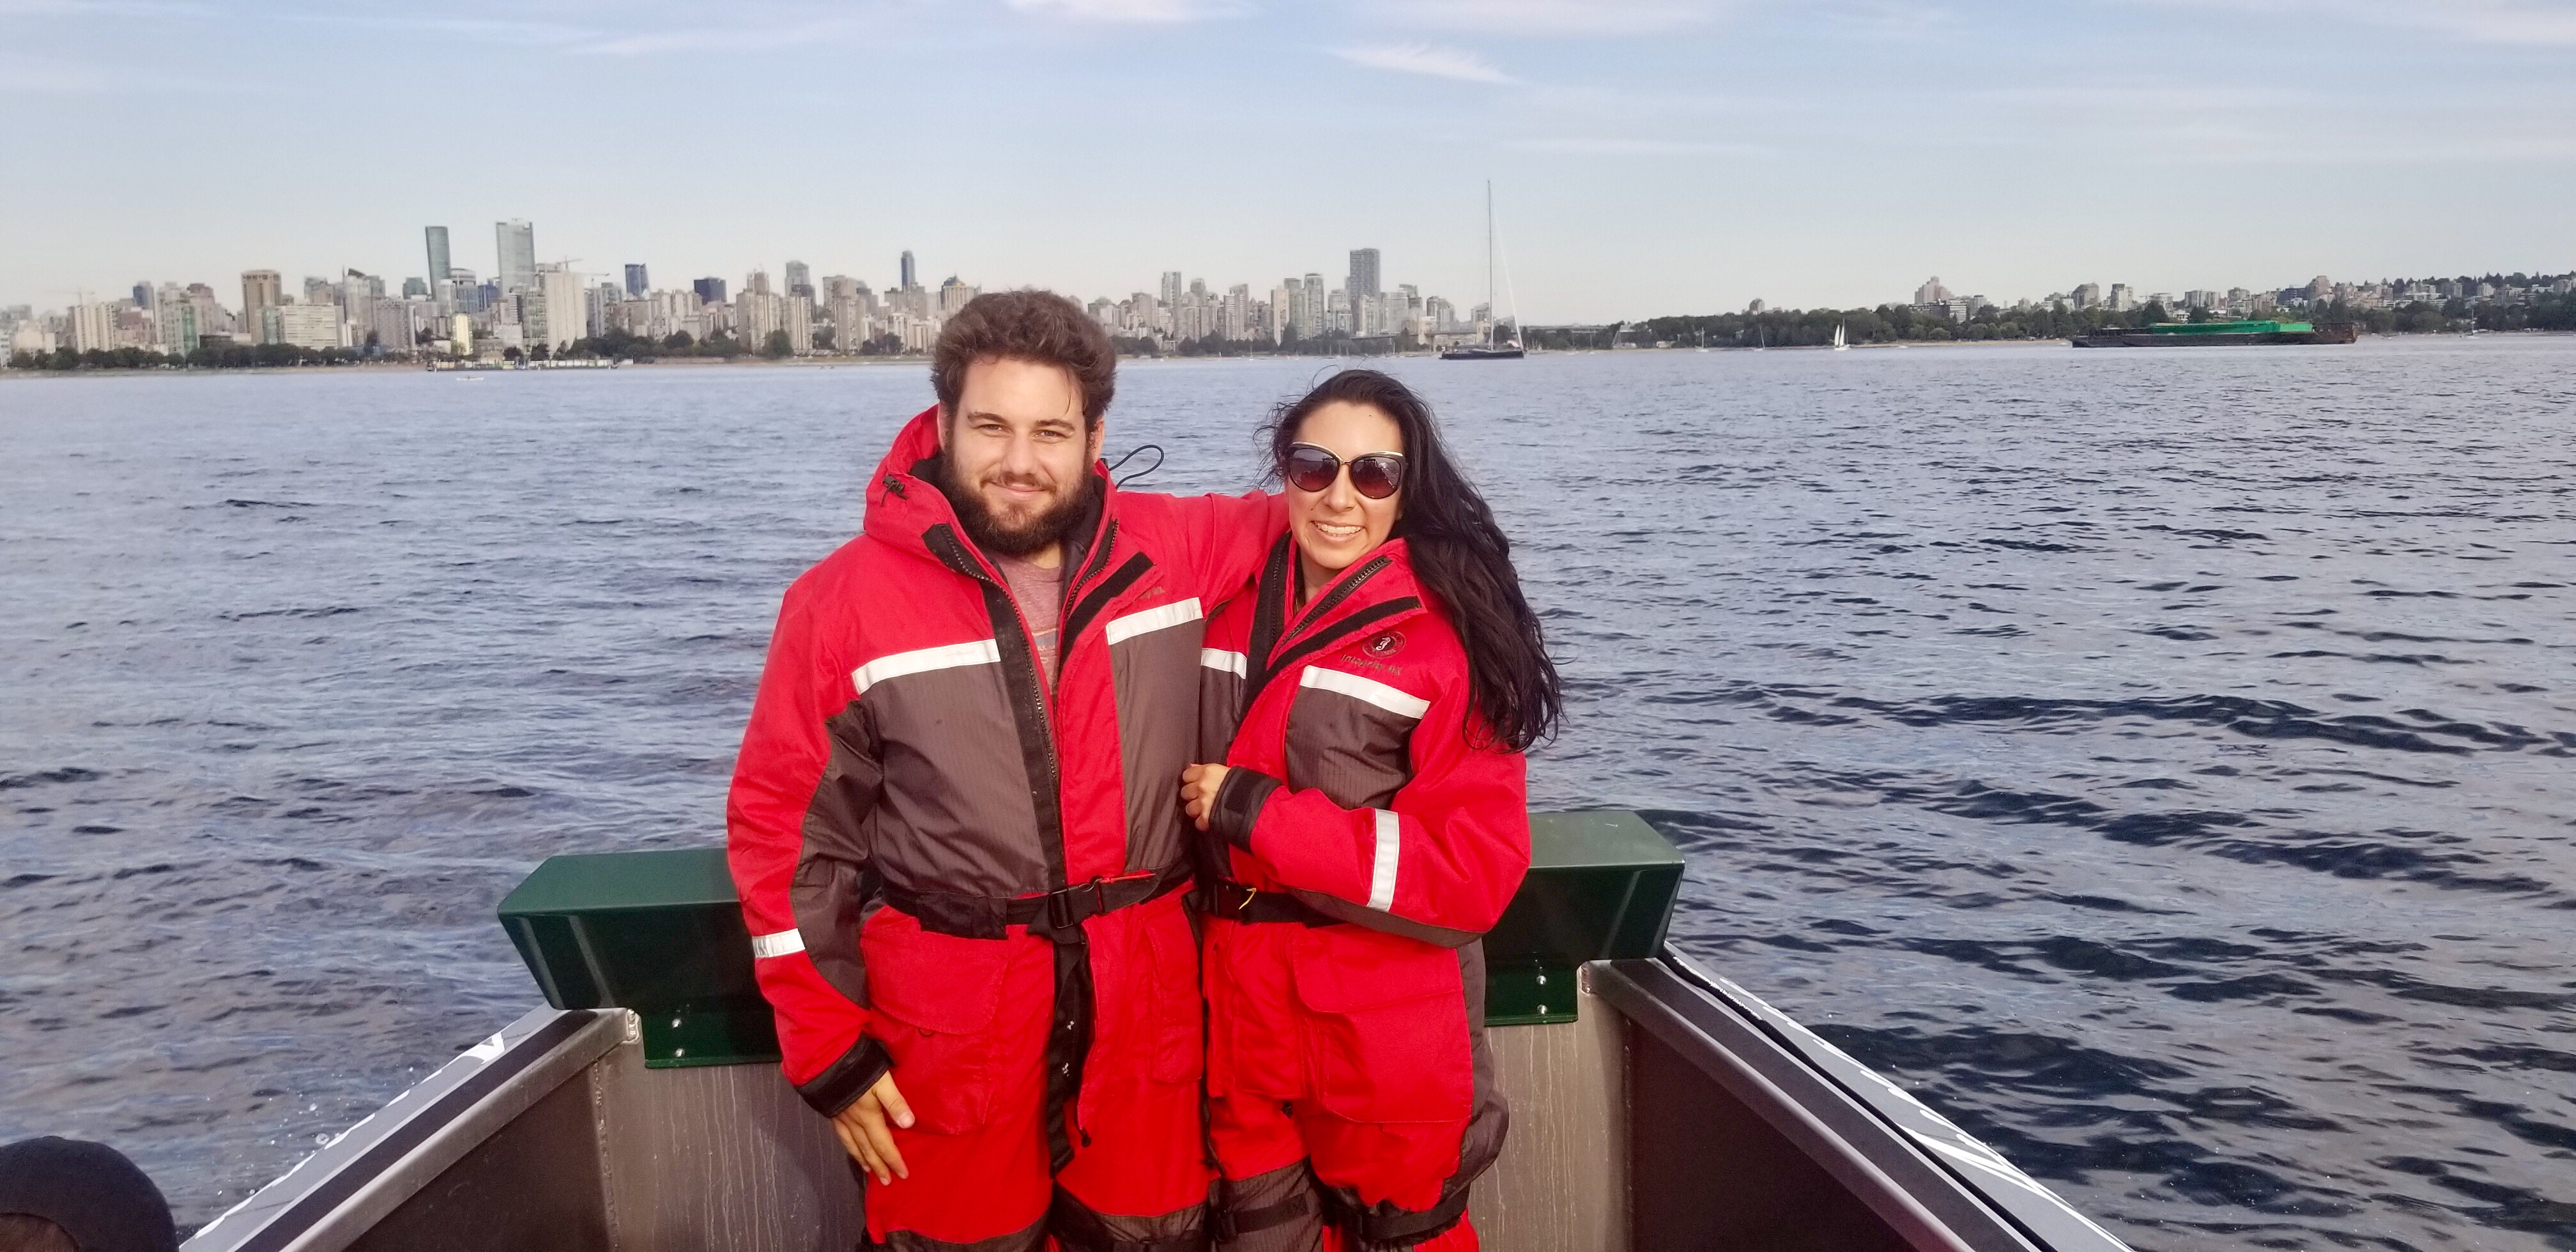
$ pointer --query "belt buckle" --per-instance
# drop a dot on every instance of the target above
(1060, 904)
(1245, 908)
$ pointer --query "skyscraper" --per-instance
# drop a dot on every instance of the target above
(710, 290)
(1363, 273)
(908, 283)
(635, 284)
(552, 308)
(1171, 288)
(261, 289)
(800, 280)
(438, 262)
(517, 241)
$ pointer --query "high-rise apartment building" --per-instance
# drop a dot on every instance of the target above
(636, 285)
(552, 310)
(439, 262)
(710, 290)
(517, 241)
(1171, 288)
(261, 289)
(175, 318)
(93, 327)
(798, 322)
(314, 326)
(908, 280)
(953, 296)
(800, 280)
(757, 314)
(1364, 278)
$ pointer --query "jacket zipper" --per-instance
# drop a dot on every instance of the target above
(1333, 598)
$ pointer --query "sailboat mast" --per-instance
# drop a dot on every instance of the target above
(1493, 323)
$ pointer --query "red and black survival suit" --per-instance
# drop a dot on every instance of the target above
(1368, 842)
(958, 871)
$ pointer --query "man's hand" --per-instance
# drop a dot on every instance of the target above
(1198, 791)
(862, 1128)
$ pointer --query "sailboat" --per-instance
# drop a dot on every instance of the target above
(1839, 345)
(1489, 350)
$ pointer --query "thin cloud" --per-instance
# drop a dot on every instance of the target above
(1129, 12)
(1455, 64)
(1621, 146)
(723, 39)
(2531, 23)
(58, 76)
(101, 8)
(1549, 17)
(505, 31)
(2490, 21)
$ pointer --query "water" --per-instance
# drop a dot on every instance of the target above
(2157, 761)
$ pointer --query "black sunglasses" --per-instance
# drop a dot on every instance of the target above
(1375, 475)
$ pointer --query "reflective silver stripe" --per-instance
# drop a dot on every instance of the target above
(894, 665)
(1134, 624)
(1392, 699)
(784, 943)
(1390, 843)
(1233, 663)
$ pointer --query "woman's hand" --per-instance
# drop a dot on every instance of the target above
(1199, 784)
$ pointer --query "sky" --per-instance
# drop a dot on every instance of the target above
(1647, 157)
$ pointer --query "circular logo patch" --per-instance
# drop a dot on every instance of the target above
(1386, 645)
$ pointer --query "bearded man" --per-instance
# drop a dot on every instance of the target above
(953, 824)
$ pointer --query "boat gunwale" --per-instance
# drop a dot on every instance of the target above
(1837, 1131)
(1840, 1068)
(368, 1170)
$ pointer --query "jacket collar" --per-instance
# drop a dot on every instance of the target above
(1383, 576)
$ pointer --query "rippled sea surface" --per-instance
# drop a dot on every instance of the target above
(2159, 761)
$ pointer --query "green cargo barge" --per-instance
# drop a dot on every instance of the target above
(2212, 334)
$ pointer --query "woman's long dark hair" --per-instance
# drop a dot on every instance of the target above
(1459, 556)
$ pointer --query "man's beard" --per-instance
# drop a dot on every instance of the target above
(1018, 539)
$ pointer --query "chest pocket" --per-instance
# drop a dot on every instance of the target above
(1351, 736)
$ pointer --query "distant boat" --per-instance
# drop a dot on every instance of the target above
(1490, 350)
(1839, 345)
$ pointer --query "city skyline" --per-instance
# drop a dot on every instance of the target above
(1649, 156)
(529, 307)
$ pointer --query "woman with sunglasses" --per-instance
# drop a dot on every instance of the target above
(1370, 700)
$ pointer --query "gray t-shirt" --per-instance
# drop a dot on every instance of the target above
(1040, 592)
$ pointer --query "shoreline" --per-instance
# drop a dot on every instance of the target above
(862, 362)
